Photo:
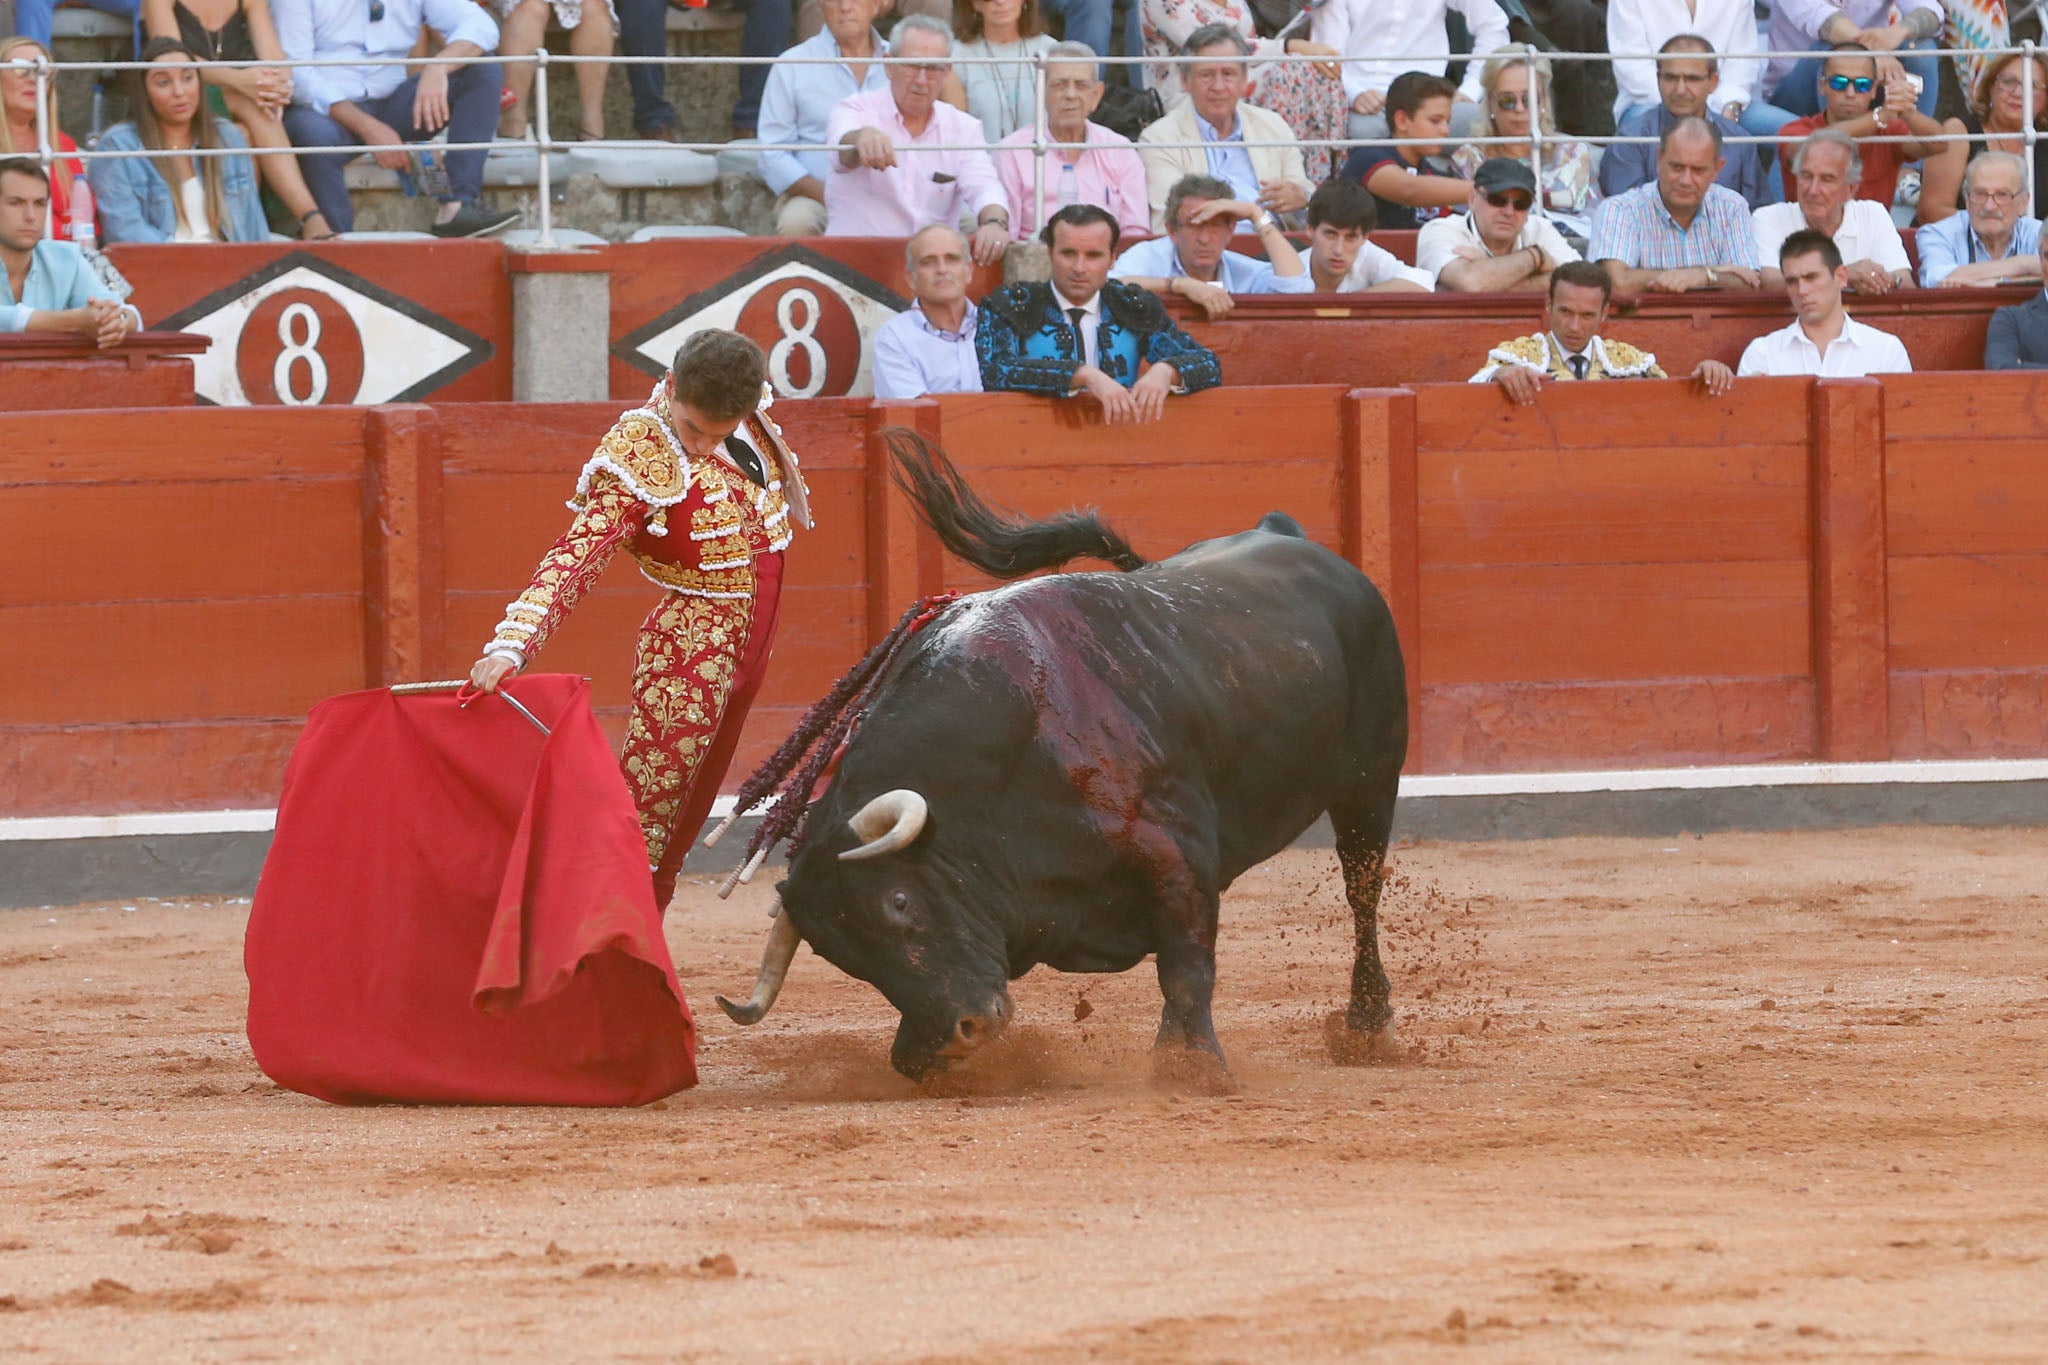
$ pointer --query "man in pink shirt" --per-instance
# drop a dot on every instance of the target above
(884, 182)
(1108, 174)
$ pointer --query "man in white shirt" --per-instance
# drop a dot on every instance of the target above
(1194, 259)
(1823, 339)
(1827, 169)
(1497, 244)
(930, 347)
(1341, 258)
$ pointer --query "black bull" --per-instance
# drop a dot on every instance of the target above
(1071, 770)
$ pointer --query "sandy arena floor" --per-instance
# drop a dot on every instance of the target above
(1757, 1097)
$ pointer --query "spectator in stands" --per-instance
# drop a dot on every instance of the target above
(1308, 95)
(930, 347)
(171, 197)
(643, 32)
(1793, 84)
(1572, 347)
(1497, 244)
(1086, 333)
(1405, 195)
(1569, 191)
(1715, 26)
(1855, 105)
(765, 34)
(1994, 241)
(1194, 259)
(1687, 80)
(2018, 337)
(523, 29)
(1998, 114)
(885, 182)
(1682, 231)
(1106, 173)
(1822, 338)
(1372, 34)
(1001, 95)
(383, 105)
(18, 121)
(32, 17)
(1342, 259)
(1826, 169)
(51, 287)
(1223, 131)
(798, 103)
(254, 97)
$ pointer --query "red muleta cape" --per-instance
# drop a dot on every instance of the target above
(456, 909)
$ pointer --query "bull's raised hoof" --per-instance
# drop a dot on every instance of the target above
(1350, 1046)
(1191, 1071)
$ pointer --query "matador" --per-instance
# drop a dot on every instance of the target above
(701, 489)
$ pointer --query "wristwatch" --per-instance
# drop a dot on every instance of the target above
(1713, 277)
(1264, 220)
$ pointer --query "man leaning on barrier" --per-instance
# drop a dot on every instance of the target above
(2018, 337)
(1572, 348)
(51, 287)
(1682, 231)
(1086, 333)
(1499, 244)
(1994, 241)
(929, 347)
(382, 105)
(1194, 259)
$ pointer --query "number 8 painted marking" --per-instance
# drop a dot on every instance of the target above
(294, 349)
(798, 337)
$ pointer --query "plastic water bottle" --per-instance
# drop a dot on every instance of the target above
(1070, 184)
(81, 228)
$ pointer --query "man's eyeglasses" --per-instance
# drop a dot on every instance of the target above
(1519, 203)
(1509, 104)
(1997, 199)
(1860, 84)
(927, 68)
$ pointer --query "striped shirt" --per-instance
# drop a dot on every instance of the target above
(1636, 229)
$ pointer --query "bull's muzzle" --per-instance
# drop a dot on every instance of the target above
(972, 1032)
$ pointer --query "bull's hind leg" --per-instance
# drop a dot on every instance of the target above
(1363, 828)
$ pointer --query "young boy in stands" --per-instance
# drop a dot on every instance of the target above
(1342, 258)
(1406, 196)
(51, 287)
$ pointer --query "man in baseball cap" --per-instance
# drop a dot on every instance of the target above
(1500, 243)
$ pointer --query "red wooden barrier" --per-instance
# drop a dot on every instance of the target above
(43, 370)
(1628, 574)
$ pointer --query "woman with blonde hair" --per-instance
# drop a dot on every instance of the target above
(174, 196)
(1568, 187)
(253, 96)
(18, 123)
(1998, 117)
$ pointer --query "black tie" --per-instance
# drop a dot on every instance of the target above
(1080, 341)
(1578, 364)
(749, 462)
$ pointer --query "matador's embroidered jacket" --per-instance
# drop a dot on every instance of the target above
(711, 530)
(1543, 354)
(1026, 344)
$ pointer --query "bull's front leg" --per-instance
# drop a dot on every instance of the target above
(1183, 883)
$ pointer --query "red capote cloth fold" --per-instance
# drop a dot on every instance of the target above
(457, 909)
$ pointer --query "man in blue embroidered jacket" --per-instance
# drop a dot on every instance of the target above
(1087, 333)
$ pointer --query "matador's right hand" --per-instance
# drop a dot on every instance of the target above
(491, 670)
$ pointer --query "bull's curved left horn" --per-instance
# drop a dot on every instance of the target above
(781, 951)
(891, 821)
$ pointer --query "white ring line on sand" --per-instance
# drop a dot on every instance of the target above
(1932, 773)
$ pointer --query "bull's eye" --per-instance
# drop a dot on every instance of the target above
(899, 901)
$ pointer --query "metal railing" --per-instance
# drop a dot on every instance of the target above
(541, 140)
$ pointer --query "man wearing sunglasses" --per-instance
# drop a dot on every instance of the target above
(383, 105)
(892, 176)
(1498, 244)
(1994, 241)
(1859, 100)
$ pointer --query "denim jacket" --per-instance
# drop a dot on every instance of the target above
(136, 205)
(1027, 345)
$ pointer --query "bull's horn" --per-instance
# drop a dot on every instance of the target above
(781, 951)
(889, 822)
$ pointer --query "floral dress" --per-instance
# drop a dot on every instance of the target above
(1312, 103)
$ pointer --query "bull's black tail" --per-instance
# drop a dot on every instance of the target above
(999, 545)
